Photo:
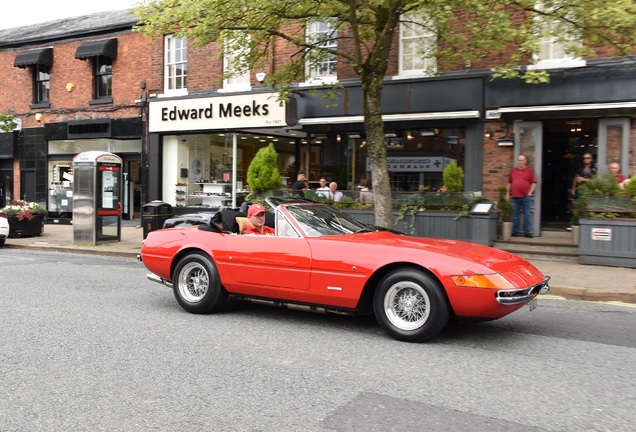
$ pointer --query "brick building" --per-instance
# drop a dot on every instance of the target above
(204, 131)
(73, 85)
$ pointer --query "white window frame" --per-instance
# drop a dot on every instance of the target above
(416, 40)
(551, 45)
(237, 82)
(175, 55)
(313, 31)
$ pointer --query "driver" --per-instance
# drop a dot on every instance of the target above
(256, 217)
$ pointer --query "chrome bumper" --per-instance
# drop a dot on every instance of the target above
(522, 295)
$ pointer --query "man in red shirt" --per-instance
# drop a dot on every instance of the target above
(256, 217)
(521, 185)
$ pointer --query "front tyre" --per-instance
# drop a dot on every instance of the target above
(410, 305)
(197, 286)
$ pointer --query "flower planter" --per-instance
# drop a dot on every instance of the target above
(441, 224)
(605, 241)
(25, 227)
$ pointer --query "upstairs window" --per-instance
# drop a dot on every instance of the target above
(103, 77)
(418, 43)
(556, 44)
(234, 64)
(101, 53)
(42, 82)
(321, 65)
(176, 64)
(40, 62)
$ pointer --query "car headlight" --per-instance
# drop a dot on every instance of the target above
(494, 280)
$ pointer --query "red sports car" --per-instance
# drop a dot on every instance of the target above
(324, 260)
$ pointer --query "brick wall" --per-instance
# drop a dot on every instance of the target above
(131, 66)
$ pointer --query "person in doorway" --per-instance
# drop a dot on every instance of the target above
(323, 190)
(521, 185)
(615, 169)
(584, 173)
(299, 186)
(334, 194)
(256, 217)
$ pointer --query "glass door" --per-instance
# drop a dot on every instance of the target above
(613, 144)
(529, 142)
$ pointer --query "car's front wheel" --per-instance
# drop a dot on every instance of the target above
(411, 305)
(197, 286)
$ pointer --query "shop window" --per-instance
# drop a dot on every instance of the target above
(321, 64)
(418, 43)
(176, 64)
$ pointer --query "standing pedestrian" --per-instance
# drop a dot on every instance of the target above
(521, 185)
(584, 173)
(615, 169)
(299, 187)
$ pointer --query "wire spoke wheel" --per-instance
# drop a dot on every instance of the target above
(197, 286)
(406, 305)
(194, 282)
(411, 305)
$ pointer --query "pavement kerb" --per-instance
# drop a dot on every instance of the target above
(587, 294)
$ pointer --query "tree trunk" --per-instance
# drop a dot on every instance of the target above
(376, 149)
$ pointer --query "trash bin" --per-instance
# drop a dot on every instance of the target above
(155, 213)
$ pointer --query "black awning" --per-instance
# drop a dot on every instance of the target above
(107, 48)
(42, 56)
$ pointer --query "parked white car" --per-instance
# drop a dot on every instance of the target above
(4, 230)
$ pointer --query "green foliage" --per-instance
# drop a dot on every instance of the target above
(605, 185)
(345, 202)
(466, 30)
(453, 176)
(505, 207)
(7, 122)
(263, 174)
(630, 187)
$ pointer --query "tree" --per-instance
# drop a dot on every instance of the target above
(467, 31)
(7, 122)
(453, 176)
(263, 174)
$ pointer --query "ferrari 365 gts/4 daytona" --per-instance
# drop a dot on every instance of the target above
(323, 259)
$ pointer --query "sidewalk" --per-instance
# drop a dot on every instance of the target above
(569, 280)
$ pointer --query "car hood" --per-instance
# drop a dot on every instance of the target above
(455, 253)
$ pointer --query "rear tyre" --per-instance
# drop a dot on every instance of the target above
(410, 305)
(197, 286)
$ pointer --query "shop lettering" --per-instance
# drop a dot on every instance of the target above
(245, 110)
(186, 114)
(225, 110)
(91, 128)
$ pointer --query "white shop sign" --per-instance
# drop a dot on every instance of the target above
(228, 112)
(603, 234)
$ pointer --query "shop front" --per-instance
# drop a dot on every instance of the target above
(201, 148)
(66, 140)
(428, 123)
(556, 124)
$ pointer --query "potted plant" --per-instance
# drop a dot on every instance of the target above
(25, 218)
(505, 213)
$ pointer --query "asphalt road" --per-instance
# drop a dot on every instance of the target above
(88, 344)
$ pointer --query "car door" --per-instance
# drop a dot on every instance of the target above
(257, 261)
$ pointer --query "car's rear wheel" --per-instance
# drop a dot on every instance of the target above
(197, 286)
(410, 305)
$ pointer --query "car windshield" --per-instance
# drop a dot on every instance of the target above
(322, 220)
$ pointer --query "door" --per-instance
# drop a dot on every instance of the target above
(613, 144)
(529, 142)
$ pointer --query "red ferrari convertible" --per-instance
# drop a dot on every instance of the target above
(324, 260)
